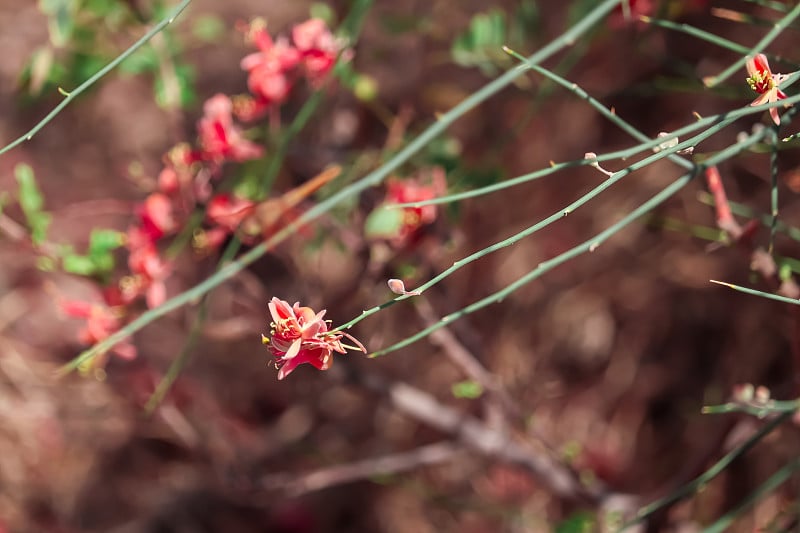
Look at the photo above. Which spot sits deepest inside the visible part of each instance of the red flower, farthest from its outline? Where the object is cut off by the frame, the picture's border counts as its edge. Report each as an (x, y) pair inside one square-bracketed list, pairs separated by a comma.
[(411, 190), (219, 138), (156, 216), (101, 321), (228, 211), (299, 335), (269, 68), (318, 48), (149, 273), (765, 83)]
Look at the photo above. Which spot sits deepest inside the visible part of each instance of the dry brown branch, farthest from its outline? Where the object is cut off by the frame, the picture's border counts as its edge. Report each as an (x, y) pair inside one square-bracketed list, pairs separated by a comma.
[(295, 485)]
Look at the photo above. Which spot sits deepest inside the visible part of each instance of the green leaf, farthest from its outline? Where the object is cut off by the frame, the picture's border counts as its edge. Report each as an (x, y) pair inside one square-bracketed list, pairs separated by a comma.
[(31, 202), (143, 60), (580, 522), (383, 223), (481, 44), (321, 10), (208, 28), (60, 22), (184, 76), (78, 264), (103, 241), (467, 389)]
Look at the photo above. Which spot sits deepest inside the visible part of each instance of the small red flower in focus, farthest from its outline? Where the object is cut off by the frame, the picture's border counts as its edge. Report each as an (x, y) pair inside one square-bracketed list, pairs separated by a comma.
[(765, 83), (220, 139), (412, 190), (318, 48), (269, 68), (101, 321), (299, 335)]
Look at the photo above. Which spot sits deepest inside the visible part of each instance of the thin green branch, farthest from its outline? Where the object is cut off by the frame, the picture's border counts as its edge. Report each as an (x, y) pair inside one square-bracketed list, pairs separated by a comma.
[(713, 81), (747, 212), (755, 292), (773, 168), (558, 215), (580, 249), (759, 410), (710, 38), (716, 120), (700, 481), (177, 365), (70, 96), (775, 481), (370, 180)]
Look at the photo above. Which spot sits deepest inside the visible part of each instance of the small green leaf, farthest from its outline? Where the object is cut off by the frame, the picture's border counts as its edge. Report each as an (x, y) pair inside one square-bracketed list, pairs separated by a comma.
[(60, 20), (103, 241), (31, 201), (208, 28), (580, 522), (78, 264), (143, 60), (467, 389), (321, 10), (383, 223), (184, 76)]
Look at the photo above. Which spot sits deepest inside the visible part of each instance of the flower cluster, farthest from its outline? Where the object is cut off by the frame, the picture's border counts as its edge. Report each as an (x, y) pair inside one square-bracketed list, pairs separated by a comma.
[(273, 69), (187, 180), (299, 335), (765, 83)]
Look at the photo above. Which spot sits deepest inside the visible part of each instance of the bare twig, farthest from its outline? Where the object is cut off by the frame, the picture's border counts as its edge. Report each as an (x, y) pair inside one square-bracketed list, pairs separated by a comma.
[(294, 485), (479, 437)]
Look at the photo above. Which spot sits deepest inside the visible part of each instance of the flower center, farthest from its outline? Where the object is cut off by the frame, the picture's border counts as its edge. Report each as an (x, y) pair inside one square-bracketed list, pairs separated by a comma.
[(761, 82)]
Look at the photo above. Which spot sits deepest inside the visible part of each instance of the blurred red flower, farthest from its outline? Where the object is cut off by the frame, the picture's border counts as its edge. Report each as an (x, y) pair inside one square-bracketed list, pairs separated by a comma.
[(220, 139), (268, 69), (101, 321), (318, 48)]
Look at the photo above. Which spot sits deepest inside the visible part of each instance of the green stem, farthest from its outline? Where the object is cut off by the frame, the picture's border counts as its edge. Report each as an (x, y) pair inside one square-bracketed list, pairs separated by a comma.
[(700, 481), (744, 211), (580, 249), (755, 292), (102, 72), (718, 122), (779, 26), (709, 37), (775, 481)]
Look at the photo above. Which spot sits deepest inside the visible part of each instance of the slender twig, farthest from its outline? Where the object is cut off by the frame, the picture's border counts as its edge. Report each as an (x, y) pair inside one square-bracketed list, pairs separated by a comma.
[(716, 120), (70, 96), (755, 292), (580, 249), (373, 178), (479, 437), (293, 484), (745, 211), (779, 26), (773, 167), (709, 37), (760, 409), (696, 484), (774, 481)]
